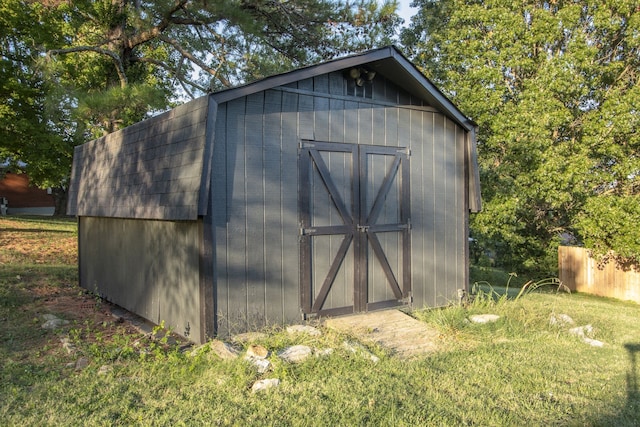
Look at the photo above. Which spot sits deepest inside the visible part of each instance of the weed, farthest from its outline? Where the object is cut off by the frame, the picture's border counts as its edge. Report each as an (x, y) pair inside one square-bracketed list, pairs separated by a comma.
[(532, 286)]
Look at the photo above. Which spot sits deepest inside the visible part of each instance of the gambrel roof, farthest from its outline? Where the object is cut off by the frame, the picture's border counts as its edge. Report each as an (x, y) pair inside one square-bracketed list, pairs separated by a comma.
[(160, 168)]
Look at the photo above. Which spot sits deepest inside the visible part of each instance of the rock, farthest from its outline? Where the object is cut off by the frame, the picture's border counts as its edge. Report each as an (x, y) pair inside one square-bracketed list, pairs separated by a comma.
[(581, 331), (257, 351), (265, 384), (105, 369), (484, 318), (82, 363), (322, 352), (257, 356), (561, 320), (584, 332), (262, 365), (54, 323), (295, 354), (592, 342), (304, 329), (223, 350), (359, 348), (48, 316)]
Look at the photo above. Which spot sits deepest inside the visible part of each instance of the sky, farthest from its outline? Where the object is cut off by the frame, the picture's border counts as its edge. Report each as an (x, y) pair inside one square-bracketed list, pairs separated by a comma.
[(405, 11)]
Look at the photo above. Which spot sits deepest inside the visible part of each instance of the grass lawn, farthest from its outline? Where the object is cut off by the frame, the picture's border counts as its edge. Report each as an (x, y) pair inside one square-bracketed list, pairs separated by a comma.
[(518, 371)]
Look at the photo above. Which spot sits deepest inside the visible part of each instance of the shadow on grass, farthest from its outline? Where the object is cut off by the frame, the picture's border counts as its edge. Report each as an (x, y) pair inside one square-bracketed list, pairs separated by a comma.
[(629, 414), (61, 219), (36, 230), (633, 391), (23, 289)]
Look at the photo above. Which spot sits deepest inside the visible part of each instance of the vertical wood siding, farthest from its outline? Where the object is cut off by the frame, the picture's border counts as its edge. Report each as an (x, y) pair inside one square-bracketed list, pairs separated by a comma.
[(579, 271), (255, 191)]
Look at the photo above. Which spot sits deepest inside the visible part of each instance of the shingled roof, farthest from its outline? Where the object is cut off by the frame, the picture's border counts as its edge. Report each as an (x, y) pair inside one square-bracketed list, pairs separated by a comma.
[(160, 168), (152, 170)]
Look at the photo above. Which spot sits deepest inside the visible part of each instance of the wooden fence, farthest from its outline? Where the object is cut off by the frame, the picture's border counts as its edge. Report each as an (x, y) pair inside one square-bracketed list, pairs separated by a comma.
[(580, 272)]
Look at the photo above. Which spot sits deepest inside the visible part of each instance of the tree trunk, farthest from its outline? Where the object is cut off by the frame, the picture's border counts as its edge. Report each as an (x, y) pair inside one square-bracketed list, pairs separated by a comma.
[(60, 197)]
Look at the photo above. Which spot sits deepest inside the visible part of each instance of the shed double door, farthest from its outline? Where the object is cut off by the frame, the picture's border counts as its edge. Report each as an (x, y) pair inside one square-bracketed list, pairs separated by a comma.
[(354, 227)]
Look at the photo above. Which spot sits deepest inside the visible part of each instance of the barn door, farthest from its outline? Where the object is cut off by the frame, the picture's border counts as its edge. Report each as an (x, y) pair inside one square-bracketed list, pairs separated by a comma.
[(355, 227)]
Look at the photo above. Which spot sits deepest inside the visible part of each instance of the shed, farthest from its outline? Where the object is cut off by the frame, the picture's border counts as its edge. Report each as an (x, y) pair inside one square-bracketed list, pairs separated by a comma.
[(338, 188)]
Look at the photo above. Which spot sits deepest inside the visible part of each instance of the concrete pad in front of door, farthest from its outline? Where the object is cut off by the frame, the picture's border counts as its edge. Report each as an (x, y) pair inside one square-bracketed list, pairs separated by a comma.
[(401, 334)]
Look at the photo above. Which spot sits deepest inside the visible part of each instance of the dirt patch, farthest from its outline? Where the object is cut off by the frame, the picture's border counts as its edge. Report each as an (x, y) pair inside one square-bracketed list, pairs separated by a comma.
[(38, 263)]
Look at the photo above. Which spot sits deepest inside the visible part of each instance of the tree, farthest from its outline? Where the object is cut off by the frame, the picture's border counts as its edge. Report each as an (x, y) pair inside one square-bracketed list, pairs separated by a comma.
[(34, 138), (123, 58), (106, 64), (554, 88)]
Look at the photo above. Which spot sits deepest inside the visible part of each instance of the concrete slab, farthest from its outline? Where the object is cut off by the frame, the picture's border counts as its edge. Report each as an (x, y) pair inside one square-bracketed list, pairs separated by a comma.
[(401, 334)]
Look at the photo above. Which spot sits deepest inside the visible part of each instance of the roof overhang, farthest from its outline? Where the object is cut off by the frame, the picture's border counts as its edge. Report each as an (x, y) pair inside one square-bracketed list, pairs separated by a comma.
[(387, 61)]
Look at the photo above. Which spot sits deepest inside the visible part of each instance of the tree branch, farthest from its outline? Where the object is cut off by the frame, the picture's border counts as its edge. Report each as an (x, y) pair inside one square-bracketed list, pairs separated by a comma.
[(116, 58), (167, 19), (183, 82), (193, 58)]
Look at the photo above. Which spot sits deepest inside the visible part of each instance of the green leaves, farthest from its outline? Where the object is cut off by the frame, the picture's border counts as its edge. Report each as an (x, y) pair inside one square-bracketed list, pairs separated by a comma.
[(609, 222), (29, 137), (554, 87), (75, 70)]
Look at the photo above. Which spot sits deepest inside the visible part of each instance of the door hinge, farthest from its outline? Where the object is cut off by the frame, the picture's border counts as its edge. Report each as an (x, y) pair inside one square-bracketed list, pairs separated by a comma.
[(307, 231)]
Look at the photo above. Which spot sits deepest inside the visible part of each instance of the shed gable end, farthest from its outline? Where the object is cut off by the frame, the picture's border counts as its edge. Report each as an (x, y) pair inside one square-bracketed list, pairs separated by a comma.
[(379, 89)]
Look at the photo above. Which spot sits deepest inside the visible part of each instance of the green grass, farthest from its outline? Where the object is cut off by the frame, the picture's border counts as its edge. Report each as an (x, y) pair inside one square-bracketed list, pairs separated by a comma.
[(519, 370)]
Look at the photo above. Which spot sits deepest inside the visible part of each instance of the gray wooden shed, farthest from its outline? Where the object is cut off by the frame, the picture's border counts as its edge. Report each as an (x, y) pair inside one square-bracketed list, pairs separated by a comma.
[(338, 188)]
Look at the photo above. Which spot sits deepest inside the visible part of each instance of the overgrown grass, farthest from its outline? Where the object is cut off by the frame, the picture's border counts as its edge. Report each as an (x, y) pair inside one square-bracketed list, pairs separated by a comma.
[(519, 370)]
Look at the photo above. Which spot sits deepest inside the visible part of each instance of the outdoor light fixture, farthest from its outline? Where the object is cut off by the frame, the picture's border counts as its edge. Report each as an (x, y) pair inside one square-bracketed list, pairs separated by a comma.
[(361, 75)]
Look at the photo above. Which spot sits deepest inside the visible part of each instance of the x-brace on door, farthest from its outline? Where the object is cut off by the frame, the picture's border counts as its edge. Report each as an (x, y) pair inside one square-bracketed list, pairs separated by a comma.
[(354, 227)]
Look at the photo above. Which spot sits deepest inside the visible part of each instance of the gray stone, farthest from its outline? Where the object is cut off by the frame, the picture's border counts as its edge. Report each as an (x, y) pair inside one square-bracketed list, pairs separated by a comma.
[(54, 323), (582, 331), (223, 350), (295, 354), (262, 365), (322, 352), (585, 333), (561, 320), (265, 384), (592, 342), (484, 318), (48, 316), (358, 348), (304, 329)]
